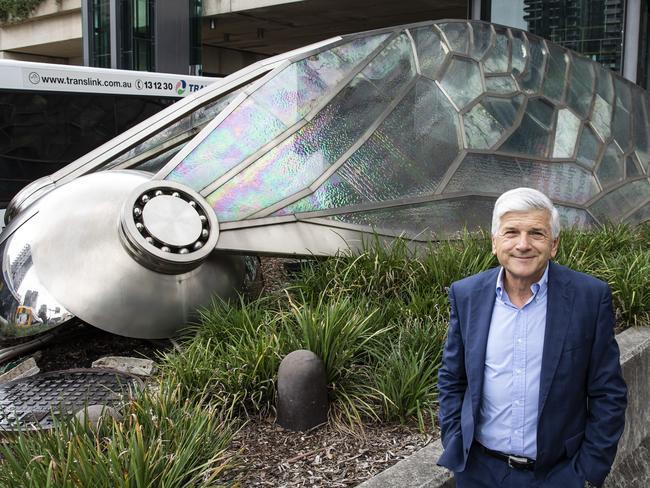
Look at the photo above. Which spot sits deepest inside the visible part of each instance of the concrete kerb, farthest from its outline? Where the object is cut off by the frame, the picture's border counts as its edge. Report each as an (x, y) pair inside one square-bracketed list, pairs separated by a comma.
[(420, 470)]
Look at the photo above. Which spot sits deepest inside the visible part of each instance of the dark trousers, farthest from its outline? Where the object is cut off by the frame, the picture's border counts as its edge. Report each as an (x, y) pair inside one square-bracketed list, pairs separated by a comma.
[(484, 471)]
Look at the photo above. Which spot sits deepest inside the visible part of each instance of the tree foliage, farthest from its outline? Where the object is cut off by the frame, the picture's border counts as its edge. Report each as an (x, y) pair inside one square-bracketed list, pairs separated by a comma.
[(17, 9)]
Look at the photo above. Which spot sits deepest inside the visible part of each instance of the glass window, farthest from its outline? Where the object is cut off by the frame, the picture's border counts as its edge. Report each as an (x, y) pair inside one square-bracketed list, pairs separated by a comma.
[(101, 34), (137, 34), (593, 28)]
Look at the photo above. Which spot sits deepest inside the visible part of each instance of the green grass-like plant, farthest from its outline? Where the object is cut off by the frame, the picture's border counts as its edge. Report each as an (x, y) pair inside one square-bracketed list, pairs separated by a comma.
[(378, 318), (163, 440), (233, 357), (406, 369)]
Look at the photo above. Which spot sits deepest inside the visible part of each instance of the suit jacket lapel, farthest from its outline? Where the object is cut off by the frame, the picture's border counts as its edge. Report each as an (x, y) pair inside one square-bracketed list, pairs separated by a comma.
[(477, 334), (558, 314)]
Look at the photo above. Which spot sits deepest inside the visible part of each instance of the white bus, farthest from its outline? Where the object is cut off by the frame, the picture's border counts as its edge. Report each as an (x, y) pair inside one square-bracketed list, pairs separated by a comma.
[(52, 114)]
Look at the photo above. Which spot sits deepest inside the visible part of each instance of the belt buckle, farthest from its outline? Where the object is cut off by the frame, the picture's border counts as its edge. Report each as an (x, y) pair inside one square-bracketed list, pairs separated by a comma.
[(516, 462)]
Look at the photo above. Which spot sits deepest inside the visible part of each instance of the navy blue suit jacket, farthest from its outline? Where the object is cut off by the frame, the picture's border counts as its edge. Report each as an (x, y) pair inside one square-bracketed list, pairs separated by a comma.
[(582, 396)]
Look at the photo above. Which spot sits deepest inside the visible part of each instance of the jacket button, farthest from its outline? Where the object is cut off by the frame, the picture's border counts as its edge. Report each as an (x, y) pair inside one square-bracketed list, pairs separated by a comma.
[(466, 450)]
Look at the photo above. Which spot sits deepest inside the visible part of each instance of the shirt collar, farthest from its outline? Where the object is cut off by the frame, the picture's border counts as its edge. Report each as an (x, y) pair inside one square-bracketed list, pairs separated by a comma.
[(539, 288)]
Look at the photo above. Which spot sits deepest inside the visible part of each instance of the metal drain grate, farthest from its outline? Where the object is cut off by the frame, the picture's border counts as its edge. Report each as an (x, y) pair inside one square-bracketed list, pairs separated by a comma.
[(30, 403)]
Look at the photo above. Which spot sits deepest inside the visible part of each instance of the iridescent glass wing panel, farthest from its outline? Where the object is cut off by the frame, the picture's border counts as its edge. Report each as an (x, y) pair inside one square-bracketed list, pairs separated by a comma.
[(481, 40), (457, 34), (601, 117), (610, 169), (239, 135), (632, 168), (566, 134), (357, 50), (621, 126), (556, 75), (393, 67), (519, 52), (614, 205), (157, 162), (184, 127), (293, 92), (430, 220), (641, 126), (575, 218), (382, 171), (298, 161), (589, 148), (423, 128), (581, 85), (603, 110), (605, 84), (640, 215), (488, 120), (431, 50), (276, 105), (334, 193), (500, 84), (533, 77), (498, 59), (462, 81), (496, 174), (533, 134), (405, 157)]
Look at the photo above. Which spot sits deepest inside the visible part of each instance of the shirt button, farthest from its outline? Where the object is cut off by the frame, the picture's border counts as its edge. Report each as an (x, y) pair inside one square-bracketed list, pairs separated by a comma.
[(517, 371), (518, 341)]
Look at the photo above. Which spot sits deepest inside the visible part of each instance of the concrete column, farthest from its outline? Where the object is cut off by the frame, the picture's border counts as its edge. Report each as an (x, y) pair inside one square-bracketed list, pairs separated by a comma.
[(172, 34), (115, 30), (631, 40), (475, 7), (86, 29)]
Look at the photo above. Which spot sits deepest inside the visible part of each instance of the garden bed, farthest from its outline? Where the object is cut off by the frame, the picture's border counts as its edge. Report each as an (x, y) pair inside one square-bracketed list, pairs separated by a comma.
[(378, 321)]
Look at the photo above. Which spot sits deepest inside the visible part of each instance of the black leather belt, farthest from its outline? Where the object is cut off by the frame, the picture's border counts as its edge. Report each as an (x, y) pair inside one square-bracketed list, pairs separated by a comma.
[(515, 462)]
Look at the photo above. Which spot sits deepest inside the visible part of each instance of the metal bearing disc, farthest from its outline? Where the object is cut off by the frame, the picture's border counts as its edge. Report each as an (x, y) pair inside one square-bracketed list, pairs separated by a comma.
[(85, 261), (168, 227)]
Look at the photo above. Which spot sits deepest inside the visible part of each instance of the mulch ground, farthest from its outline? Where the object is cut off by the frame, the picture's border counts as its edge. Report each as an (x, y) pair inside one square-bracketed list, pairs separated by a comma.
[(82, 344), (269, 456)]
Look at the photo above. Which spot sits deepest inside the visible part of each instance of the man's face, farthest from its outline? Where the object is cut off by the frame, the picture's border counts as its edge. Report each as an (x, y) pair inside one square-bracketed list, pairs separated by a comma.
[(524, 244)]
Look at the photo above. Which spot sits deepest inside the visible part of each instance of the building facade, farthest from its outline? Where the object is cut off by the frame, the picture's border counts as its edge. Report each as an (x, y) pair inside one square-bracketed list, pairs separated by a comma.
[(216, 37)]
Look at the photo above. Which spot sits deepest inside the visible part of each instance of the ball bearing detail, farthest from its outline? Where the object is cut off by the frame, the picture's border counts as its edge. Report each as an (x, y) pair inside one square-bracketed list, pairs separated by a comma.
[(168, 227)]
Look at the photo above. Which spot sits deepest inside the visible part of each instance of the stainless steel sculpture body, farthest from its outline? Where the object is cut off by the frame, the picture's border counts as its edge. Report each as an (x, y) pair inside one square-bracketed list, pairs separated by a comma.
[(412, 131)]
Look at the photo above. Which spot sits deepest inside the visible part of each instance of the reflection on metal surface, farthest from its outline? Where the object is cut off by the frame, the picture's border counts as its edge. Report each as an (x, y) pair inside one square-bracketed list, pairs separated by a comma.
[(26, 306), (412, 130), (101, 282)]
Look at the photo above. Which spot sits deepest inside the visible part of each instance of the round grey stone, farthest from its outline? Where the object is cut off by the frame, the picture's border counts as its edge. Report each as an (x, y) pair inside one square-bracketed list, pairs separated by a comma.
[(92, 414), (302, 391)]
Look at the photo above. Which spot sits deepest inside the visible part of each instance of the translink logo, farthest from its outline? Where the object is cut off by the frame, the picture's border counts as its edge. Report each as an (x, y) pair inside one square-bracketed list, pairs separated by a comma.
[(180, 87)]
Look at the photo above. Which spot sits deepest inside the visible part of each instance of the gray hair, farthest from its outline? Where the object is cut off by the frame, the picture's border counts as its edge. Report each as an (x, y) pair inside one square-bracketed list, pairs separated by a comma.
[(524, 200)]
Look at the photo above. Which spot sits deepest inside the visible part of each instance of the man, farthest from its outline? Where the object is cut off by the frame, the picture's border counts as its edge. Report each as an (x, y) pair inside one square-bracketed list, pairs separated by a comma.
[(530, 388)]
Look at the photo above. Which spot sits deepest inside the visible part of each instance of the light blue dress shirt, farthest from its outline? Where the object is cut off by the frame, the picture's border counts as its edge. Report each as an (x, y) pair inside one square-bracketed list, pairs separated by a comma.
[(513, 362)]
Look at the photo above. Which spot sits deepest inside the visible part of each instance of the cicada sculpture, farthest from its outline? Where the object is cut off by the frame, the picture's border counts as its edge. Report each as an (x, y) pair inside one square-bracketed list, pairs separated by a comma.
[(407, 131)]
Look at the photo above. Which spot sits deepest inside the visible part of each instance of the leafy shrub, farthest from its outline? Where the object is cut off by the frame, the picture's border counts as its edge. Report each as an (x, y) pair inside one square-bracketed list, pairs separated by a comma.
[(17, 9)]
